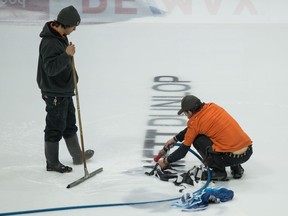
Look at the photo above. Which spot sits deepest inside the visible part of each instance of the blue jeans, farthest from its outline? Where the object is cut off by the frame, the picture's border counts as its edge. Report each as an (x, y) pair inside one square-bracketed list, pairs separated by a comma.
[(60, 118)]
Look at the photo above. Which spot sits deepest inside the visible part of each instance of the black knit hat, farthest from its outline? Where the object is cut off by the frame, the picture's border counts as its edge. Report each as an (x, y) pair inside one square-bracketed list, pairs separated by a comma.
[(69, 16)]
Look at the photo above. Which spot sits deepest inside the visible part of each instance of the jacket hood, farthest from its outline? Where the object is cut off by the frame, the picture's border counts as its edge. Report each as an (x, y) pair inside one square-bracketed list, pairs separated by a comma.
[(48, 31)]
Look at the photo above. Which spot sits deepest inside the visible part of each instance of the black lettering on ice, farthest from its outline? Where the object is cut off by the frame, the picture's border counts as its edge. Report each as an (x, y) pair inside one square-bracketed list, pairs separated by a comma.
[(167, 102), (150, 142), (170, 84), (166, 122), (168, 79)]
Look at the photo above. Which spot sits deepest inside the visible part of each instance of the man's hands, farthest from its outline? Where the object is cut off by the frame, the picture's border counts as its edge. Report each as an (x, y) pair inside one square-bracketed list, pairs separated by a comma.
[(163, 163), (170, 142), (70, 50)]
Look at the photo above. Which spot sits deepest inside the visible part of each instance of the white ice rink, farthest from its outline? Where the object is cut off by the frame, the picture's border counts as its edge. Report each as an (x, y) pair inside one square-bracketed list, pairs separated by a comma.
[(238, 61)]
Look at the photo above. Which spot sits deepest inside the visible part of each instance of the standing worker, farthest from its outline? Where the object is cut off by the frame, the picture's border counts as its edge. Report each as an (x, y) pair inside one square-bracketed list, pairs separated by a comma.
[(55, 79)]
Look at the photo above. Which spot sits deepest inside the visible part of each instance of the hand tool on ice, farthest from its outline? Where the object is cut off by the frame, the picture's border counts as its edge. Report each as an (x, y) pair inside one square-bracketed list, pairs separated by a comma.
[(87, 175)]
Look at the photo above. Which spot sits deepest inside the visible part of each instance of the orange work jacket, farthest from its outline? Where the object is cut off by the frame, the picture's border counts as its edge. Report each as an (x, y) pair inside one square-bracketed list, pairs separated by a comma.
[(223, 130)]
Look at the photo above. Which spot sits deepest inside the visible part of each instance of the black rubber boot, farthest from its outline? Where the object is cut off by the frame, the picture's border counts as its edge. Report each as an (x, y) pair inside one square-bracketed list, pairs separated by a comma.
[(52, 158), (75, 151), (237, 171)]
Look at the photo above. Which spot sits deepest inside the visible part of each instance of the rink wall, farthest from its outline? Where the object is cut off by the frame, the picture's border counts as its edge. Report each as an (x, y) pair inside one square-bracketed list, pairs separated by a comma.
[(105, 11)]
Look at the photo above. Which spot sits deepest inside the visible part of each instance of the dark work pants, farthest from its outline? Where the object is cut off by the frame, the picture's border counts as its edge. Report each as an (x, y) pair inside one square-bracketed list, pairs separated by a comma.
[(60, 118), (218, 160)]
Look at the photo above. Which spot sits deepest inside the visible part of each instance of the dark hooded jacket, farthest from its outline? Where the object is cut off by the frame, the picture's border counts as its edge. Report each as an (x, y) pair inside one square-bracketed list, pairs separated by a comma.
[(55, 74)]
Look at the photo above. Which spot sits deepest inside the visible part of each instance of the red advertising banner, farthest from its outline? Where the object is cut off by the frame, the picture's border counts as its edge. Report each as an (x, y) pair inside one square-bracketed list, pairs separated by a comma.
[(24, 10), (105, 11)]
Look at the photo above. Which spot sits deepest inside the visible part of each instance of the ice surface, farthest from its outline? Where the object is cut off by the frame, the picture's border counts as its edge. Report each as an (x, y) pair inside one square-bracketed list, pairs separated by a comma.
[(241, 66)]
